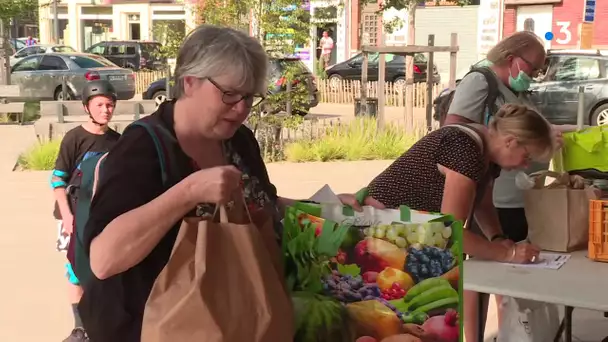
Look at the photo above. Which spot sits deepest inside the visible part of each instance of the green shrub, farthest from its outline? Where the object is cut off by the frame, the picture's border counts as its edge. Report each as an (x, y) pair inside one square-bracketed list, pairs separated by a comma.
[(41, 156), (359, 139)]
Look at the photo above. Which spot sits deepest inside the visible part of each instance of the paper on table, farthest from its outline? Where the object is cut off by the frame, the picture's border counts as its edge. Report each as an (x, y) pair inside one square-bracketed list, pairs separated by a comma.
[(552, 261), (325, 195)]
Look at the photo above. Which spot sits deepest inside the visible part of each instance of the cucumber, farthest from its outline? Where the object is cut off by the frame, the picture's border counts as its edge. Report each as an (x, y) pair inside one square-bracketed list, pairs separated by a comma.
[(415, 318), (432, 295), (446, 303), (423, 286)]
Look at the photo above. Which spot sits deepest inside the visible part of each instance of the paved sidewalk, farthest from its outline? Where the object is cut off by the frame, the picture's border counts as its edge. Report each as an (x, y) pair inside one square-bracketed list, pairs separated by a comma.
[(14, 140)]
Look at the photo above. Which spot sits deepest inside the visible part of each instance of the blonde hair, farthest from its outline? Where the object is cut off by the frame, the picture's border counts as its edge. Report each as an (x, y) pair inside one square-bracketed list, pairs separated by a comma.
[(515, 44), (527, 126)]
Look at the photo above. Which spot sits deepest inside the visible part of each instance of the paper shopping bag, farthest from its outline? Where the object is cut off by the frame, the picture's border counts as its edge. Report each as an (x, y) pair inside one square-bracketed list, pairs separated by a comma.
[(558, 214), (218, 286)]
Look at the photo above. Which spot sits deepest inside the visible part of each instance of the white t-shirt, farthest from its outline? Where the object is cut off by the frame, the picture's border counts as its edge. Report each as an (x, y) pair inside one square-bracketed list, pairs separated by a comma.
[(327, 44)]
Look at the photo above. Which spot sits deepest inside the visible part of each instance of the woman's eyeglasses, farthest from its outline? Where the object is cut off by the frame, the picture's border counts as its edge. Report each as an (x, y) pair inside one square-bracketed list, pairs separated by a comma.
[(231, 98)]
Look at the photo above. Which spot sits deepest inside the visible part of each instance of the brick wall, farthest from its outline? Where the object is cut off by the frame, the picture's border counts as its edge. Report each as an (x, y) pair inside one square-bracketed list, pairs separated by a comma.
[(566, 19)]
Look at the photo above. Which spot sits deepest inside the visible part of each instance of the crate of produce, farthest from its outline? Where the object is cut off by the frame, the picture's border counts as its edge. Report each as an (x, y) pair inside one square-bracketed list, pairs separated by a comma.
[(598, 230), (370, 276)]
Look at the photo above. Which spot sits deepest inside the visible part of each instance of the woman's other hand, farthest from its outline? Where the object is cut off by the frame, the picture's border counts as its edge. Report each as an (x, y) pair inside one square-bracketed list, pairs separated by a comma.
[(351, 200), (522, 253), (214, 185)]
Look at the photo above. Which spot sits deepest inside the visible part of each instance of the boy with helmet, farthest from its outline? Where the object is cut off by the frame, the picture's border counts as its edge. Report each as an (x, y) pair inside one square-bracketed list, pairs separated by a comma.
[(87, 140)]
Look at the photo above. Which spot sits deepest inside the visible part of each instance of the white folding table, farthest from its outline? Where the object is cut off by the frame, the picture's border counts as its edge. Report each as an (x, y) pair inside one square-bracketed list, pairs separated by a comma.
[(580, 283)]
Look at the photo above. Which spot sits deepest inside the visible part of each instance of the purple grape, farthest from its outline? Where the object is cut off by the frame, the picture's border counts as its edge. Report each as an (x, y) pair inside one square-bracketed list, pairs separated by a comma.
[(332, 284), (369, 298)]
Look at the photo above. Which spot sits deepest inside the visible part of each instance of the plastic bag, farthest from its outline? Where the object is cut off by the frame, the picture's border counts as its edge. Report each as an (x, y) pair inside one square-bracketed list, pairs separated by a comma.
[(528, 321)]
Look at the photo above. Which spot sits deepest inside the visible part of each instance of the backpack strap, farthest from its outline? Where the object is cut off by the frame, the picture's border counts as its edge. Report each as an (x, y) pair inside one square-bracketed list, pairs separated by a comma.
[(493, 92), (96, 174), (161, 138)]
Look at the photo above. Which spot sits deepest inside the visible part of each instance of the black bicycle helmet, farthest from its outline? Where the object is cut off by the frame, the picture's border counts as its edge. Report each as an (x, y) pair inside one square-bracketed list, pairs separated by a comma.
[(96, 88)]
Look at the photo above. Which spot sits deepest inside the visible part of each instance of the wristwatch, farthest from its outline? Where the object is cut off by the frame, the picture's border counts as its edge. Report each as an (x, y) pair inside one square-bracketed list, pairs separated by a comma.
[(499, 236)]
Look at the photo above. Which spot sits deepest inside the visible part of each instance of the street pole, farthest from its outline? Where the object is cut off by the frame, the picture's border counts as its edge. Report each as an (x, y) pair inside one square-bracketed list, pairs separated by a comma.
[(6, 65), (55, 22)]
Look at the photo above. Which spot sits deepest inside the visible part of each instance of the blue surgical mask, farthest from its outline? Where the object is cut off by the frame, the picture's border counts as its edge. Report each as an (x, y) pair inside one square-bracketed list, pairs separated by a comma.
[(521, 82)]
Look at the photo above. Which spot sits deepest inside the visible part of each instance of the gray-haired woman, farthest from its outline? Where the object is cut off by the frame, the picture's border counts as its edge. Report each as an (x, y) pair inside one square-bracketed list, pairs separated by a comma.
[(135, 216)]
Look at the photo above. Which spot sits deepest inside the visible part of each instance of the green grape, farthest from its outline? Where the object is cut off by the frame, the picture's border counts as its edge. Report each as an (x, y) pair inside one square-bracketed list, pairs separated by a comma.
[(412, 237), (438, 240), (391, 234), (400, 229), (379, 232), (446, 232), (436, 227), (369, 232), (400, 242)]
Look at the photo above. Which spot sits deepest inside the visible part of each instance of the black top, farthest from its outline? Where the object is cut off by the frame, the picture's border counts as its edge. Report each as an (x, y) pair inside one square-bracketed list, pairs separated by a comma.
[(77, 145), (414, 179), (112, 309)]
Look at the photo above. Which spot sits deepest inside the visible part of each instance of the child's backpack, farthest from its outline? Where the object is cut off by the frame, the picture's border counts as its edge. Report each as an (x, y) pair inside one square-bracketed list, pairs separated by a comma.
[(90, 170), (441, 104)]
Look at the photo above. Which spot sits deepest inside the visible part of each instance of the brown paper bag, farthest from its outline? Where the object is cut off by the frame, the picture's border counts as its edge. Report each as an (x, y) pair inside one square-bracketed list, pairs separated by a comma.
[(221, 284), (557, 214)]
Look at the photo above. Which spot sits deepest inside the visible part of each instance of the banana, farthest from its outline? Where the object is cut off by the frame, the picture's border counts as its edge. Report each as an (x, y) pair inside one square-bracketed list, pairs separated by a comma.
[(423, 286), (432, 295), (446, 303)]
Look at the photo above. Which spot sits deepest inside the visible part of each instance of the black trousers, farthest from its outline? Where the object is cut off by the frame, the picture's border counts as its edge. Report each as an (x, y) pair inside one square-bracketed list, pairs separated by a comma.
[(513, 222)]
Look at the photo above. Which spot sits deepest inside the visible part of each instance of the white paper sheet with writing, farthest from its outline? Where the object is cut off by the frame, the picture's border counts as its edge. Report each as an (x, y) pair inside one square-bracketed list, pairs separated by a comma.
[(547, 260)]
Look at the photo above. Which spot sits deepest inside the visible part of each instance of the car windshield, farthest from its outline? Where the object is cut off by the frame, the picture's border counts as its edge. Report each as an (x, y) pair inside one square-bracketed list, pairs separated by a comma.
[(63, 49), (86, 62)]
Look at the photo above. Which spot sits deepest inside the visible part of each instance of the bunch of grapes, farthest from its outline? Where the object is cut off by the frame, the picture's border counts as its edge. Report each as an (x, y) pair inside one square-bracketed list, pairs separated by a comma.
[(391, 306), (348, 289), (403, 235), (395, 292), (428, 262)]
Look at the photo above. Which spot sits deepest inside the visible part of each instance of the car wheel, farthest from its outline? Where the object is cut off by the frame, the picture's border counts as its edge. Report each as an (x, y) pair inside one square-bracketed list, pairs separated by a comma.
[(335, 81), (399, 82), (159, 97), (59, 95), (600, 116)]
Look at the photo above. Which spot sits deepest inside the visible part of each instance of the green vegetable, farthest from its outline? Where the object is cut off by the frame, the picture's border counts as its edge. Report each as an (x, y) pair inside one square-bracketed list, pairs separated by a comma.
[(446, 303), (320, 318), (399, 304), (423, 286), (415, 318), (351, 269), (431, 295)]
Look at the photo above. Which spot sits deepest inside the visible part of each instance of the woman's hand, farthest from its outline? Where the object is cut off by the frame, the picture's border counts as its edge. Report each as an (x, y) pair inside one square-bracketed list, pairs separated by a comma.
[(522, 253), (214, 185), (351, 200)]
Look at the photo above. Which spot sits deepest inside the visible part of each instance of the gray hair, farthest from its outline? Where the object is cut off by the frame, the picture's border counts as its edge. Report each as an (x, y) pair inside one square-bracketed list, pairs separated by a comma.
[(212, 51)]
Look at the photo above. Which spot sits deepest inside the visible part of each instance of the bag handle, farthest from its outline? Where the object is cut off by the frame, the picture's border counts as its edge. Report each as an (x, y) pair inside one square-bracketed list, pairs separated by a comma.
[(223, 209)]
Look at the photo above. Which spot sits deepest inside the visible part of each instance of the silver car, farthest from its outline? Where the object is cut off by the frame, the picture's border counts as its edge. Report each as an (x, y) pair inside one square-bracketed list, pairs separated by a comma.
[(39, 48), (40, 76)]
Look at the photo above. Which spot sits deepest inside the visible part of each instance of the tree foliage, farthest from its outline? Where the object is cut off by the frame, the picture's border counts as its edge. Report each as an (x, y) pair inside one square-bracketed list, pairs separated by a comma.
[(10, 9)]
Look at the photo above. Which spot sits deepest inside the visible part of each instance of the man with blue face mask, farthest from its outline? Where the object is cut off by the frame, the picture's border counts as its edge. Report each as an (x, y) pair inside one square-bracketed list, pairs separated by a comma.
[(513, 62)]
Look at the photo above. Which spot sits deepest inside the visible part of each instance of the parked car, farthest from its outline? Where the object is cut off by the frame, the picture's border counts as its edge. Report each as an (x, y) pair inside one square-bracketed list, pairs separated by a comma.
[(395, 69), (40, 48), (555, 93), (16, 44), (157, 89), (40, 76), (132, 54)]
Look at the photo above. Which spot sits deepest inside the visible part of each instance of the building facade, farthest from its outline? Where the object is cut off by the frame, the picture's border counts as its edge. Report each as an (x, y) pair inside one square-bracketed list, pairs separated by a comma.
[(563, 18), (83, 23)]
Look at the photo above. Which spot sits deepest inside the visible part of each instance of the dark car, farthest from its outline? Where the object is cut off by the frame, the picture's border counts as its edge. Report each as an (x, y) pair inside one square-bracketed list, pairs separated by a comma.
[(132, 54), (157, 89), (555, 93), (395, 69)]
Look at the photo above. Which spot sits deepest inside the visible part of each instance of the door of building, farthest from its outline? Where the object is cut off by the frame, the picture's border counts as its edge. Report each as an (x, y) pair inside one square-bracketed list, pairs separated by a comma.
[(537, 19)]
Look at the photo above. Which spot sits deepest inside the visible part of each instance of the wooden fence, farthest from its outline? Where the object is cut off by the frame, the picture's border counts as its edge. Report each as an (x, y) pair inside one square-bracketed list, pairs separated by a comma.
[(144, 78), (341, 92), (346, 92)]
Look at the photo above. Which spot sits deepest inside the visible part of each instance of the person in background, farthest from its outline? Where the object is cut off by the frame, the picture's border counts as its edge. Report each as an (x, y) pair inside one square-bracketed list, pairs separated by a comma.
[(515, 62), (80, 143), (30, 41), (326, 44)]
